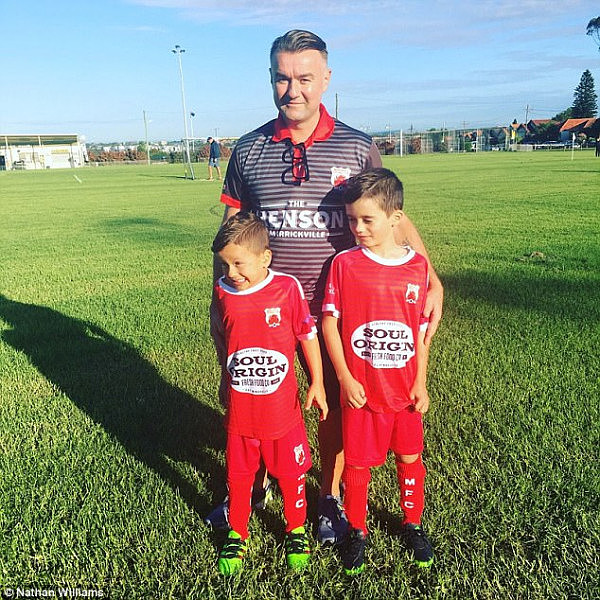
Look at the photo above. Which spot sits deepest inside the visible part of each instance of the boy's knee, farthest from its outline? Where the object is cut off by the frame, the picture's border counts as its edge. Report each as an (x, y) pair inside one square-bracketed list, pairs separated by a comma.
[(356, 475), (407, 459)]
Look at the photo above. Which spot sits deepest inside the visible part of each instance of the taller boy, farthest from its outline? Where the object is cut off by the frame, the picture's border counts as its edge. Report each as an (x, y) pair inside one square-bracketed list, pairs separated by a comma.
[(374, 327), (286, 171)]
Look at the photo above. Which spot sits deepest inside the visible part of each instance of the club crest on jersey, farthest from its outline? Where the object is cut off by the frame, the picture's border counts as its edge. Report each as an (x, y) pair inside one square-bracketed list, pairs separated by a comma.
[(412, 293), (339, 175), (299, 454), (273, 316)]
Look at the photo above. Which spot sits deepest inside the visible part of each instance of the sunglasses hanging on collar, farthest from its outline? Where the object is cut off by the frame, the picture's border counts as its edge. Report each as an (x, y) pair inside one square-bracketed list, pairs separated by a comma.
[(295, 156)]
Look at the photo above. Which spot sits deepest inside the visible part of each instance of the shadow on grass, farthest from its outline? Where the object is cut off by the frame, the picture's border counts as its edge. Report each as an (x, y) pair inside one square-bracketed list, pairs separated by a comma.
[(149, 231), (120, 390), (545, 293)]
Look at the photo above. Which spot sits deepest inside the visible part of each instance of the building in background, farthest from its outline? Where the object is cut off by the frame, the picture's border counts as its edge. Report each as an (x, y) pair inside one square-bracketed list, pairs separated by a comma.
[(42, 151)]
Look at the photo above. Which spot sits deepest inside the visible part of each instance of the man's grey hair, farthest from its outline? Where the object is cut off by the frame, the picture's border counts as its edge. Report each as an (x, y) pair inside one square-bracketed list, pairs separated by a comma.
[(298, 40)]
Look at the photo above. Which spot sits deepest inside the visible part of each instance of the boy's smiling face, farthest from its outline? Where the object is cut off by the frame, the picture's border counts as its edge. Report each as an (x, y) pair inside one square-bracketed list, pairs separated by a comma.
[(243, 268), (372, 227)]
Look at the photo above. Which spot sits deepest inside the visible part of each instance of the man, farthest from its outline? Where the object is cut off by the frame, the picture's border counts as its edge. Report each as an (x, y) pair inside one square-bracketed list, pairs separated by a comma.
[(214, 154), (288, 172)]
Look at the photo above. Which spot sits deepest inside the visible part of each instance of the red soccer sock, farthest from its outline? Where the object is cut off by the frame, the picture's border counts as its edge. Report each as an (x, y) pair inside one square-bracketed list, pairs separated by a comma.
[(240, 498), (411, 477), (356, 496), (293, 492)]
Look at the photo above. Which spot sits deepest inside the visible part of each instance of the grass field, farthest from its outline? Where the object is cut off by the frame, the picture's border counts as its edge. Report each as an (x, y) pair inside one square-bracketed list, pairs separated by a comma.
[(110, 431)]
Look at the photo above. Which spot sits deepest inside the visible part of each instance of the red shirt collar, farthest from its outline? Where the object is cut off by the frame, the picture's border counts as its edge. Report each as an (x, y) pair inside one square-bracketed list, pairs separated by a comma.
[(322, 131)]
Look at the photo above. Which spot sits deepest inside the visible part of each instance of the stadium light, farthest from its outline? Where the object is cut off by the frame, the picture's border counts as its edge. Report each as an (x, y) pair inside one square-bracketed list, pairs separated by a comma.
[(178, 51)]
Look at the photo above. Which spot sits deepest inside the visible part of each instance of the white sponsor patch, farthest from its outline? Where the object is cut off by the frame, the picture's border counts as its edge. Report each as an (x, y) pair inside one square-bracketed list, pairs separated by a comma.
[(384, 344), (257, 370)]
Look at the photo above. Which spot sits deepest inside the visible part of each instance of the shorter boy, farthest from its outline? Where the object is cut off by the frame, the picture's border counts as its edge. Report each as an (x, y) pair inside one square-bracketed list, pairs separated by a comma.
[(374, 329), (264, 314)]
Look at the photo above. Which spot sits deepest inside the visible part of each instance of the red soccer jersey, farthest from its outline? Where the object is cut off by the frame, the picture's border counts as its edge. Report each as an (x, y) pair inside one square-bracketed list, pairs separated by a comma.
[(380, 303), (262, 326)]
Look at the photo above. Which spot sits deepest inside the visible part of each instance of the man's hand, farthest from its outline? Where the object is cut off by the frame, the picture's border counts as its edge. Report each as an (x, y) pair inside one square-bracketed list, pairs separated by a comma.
[(217, 333)]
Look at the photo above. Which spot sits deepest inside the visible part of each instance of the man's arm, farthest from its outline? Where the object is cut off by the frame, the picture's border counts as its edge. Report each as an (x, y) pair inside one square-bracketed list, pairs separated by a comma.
[(352, 391), (227, 214), (407, 233), (418, 391), (216, 325), (316, 390)]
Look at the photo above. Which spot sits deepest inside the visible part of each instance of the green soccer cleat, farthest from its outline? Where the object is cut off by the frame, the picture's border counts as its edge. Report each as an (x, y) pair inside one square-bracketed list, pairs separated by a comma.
[(416, 540), (232, 554), (297, 549), (353, 552)]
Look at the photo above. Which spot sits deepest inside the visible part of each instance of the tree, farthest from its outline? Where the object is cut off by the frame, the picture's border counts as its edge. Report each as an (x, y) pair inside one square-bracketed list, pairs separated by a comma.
[(593, 30), (584, 98), (564, 115), (549, 131)]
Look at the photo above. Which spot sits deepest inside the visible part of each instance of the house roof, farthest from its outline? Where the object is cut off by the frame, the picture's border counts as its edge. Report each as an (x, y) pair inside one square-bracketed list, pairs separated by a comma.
[(35, 140), (578, 124)]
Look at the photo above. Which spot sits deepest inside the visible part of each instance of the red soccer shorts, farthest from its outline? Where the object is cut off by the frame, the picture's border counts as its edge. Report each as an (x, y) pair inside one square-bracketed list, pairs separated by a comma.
[(287, 457), (369, 435)]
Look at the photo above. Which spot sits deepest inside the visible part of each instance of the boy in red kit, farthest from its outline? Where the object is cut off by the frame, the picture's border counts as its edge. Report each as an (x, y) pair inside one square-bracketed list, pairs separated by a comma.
[(374, 329), (264, 315)]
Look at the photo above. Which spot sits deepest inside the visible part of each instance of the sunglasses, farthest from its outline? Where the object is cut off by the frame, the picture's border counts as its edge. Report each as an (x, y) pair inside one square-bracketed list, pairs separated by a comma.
[(295, 157)]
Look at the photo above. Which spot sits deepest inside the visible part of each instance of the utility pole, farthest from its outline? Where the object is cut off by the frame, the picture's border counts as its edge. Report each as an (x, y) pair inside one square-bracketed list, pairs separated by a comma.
[(336, 105), (526, 114), (146, 132)]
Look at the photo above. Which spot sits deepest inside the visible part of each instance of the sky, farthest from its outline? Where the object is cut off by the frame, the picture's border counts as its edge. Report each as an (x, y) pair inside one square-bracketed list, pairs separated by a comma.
[(97, 68)]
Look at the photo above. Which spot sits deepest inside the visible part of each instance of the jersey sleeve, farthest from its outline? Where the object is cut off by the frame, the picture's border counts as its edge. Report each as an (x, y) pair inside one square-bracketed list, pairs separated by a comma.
[(373, 158), (331, 301), (233, 186), (303, 322)]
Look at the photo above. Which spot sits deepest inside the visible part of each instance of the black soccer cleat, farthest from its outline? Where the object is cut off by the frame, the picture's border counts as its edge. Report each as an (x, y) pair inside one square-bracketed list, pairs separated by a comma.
[(416, 540), (353, 552)]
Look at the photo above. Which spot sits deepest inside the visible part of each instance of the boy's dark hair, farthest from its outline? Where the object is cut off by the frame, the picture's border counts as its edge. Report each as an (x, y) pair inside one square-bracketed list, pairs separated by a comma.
[(298, 40), (244, 229), (380, 184)]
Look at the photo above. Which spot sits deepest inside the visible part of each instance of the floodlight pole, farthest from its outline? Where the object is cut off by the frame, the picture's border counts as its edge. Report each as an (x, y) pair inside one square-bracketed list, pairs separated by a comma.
[(192, 114), (178, 50)]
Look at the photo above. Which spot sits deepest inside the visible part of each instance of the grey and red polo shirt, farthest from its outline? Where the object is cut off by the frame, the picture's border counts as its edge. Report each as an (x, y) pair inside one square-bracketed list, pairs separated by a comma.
[(294, 189)]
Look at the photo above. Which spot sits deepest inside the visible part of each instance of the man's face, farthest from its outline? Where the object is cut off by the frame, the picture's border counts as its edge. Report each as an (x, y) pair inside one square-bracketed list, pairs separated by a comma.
[(299, 80)]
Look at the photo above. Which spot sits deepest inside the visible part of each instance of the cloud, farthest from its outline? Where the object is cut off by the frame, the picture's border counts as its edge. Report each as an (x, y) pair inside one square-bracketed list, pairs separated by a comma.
[(410, 20)]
